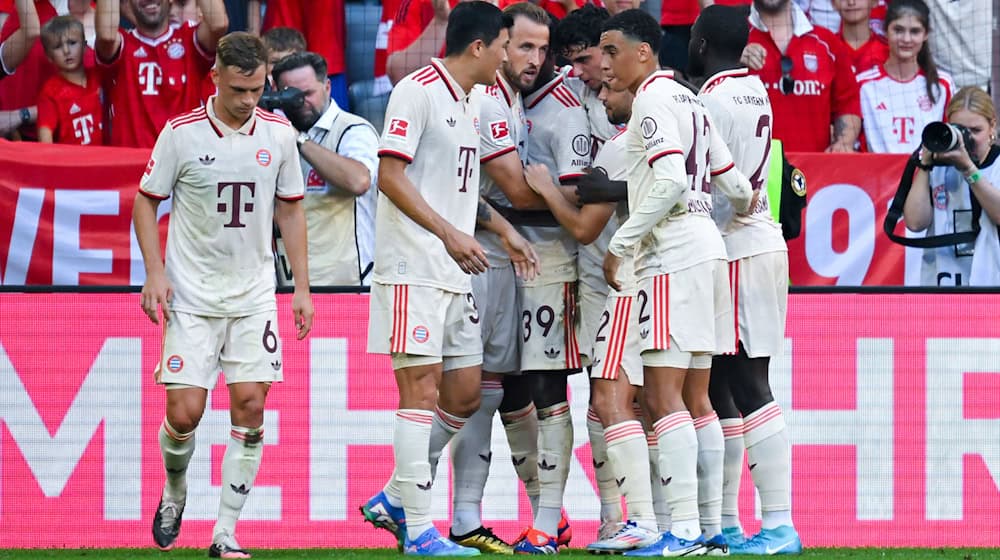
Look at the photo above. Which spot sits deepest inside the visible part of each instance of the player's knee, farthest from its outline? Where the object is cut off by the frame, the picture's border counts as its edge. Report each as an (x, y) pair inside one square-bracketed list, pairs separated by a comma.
[(248, 410), (181, 422), (548, 389)]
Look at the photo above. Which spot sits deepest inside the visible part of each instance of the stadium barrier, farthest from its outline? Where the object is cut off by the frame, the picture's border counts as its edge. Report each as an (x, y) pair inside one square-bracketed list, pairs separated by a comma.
[(65, 218), (890, 401)]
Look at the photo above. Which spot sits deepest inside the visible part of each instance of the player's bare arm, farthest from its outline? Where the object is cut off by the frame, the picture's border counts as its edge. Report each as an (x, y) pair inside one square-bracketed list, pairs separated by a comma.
[(461, 247), (291, 220), (508, 173), (349, 176), (106, 20), (522, 254), (846, 129), (16, 47), (584, 223), (214, 24), (156, 290)]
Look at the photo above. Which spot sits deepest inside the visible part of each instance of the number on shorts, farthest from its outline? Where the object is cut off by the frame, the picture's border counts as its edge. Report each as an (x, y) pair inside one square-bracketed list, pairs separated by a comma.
[(270, 339), (642, 295), (545, 317), (474, 318), (605, 317)]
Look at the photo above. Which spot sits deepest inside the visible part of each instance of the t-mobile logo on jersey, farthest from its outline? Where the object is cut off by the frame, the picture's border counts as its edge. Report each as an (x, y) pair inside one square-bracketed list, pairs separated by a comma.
[(466, 157), (83, 127), (902, 127), (237, 191), (150, 76)]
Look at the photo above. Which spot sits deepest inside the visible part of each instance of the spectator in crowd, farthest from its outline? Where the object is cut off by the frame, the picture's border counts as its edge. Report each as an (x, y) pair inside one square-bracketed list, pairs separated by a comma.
[(676, 19), (809, 78), (906, 93), (244, 15), (956, 190), (555, 8), (416, 35), (156, 70), (70, 108), (962, 40), (867, 48), (281, 42), (322, 24), (339, 162), (382, 83), (822, 13), (15, 48)]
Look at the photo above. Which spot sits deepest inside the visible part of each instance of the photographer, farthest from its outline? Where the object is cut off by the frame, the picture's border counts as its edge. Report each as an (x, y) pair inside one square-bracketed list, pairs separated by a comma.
[(956, 190), (339, 162)]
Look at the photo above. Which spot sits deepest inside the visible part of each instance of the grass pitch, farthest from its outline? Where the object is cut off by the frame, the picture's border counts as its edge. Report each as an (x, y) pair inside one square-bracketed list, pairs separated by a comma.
[(390, 554)]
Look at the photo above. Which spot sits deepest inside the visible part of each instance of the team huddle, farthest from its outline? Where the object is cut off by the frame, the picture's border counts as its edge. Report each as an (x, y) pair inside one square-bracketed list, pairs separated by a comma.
[(533, 223)]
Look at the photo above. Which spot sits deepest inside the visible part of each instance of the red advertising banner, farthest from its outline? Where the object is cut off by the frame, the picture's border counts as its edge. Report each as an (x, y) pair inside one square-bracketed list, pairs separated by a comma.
[(65, 218), (890, 402)]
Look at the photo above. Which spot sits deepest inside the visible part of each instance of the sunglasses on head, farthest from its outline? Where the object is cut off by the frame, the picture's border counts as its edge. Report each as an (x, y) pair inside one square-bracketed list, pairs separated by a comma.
[(787, 83)]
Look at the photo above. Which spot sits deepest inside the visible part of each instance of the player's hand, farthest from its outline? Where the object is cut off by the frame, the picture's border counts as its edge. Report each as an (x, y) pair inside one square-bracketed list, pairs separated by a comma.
[(753, 203), (157, 293), (538, 177), (466, 251), (302, 310), (611, 265), (753, 56), (595, 186), (522, 255)]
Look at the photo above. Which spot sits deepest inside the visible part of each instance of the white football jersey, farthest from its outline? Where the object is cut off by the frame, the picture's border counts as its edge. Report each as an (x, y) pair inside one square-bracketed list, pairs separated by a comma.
[(223, 183), (559, 137), (613, 159), (668, 120), (741, 113), (504, 130), (601, 130), (895, 113), (432, 124)]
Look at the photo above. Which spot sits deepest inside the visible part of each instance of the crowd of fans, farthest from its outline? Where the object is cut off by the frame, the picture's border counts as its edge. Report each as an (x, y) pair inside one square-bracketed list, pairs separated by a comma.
[(842, 75)]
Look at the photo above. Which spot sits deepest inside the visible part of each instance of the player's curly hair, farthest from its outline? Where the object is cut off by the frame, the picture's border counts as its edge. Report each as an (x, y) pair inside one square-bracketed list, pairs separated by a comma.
[(580, 29), (243, 51), (637, 25)]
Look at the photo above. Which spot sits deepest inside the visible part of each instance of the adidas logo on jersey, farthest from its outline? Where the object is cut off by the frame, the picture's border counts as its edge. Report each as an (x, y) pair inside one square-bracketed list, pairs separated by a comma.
[(276, 365), (74, 109), (881, 107), (206, 159), (140, 53), (552, 353)]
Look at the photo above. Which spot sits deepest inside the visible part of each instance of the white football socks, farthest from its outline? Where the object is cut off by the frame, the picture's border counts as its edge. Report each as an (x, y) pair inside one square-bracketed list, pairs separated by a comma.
[(555, 441), (679, 472), (410, 444), (711, 457), (732, 471), (521, 427), (239, 469), (611, 496), (470, 459), (769, 456), (176, 449), (628, 452)]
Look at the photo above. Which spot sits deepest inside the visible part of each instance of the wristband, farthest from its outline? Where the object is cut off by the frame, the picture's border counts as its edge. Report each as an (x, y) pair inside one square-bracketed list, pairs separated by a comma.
[(925, 166), (25, 115), (972, 178)]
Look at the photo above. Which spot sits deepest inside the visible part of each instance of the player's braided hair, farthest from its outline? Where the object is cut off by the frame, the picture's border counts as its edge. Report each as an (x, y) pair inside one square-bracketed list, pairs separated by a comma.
[(243, 51)]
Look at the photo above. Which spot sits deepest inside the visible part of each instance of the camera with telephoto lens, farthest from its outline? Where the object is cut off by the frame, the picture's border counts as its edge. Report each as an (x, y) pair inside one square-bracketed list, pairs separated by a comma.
[(288, 99), (941, 137)]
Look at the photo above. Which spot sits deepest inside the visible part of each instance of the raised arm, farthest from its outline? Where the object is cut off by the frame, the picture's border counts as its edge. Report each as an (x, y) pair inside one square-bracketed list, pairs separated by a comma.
[(106, 21), (214, 24), (427, 43), (16, 47)]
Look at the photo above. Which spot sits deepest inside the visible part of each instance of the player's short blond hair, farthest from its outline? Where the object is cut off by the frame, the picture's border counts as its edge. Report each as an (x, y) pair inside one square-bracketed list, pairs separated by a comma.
[(241, 50), (532, 12), (58, 27)]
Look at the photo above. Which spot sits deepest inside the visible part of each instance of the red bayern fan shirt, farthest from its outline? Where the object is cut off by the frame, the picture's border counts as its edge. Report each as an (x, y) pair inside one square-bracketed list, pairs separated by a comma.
[(74, 113)]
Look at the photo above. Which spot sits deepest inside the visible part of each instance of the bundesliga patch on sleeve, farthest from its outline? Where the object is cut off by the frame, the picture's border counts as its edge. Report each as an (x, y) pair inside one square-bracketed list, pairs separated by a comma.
[(149, 166), (499, 130), (398, 127)]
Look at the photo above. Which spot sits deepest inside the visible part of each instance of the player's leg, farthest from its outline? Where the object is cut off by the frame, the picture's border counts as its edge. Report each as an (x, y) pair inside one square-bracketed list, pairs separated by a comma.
[(251, 361), (471, 449), (768, 451), (711, 449), (607, 489), (520, 423), (188, 368), (723, 368)]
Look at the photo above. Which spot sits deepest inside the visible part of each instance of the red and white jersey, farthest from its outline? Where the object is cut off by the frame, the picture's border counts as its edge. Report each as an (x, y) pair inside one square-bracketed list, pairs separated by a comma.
[(224, 183), (894, 113), (432, 124), (873, 53), (601, 129), (742, 116), (559, 137), (504, 130), (670, 121), (613, 160), (74, 114), (824, 86), (152, 80)]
